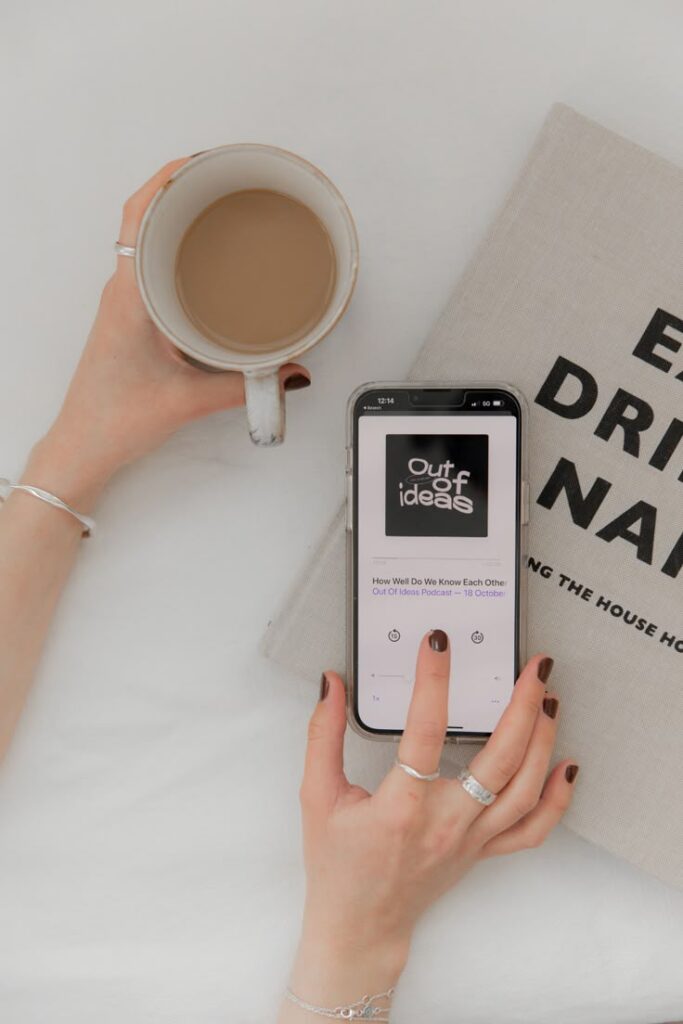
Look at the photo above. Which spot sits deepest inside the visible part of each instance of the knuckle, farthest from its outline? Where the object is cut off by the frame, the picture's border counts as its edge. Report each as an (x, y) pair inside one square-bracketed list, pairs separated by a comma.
[(534, 837), (562, 802), (503, 769), (439, 844), (403, 816), (480, 833), (453, 824), (508, 761), (428, 730), (529, 706), (316, 730), (109, 287), (130, 206), (434, 676), (523, 803), (306, 794)]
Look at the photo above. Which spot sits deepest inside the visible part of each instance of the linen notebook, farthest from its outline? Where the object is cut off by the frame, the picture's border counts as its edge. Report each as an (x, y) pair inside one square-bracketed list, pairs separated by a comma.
[(576, 297)]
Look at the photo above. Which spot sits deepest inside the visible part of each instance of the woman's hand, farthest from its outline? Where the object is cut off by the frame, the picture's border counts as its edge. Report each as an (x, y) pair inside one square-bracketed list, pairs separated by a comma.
[(132, 387), (131, 390), (374, 863)]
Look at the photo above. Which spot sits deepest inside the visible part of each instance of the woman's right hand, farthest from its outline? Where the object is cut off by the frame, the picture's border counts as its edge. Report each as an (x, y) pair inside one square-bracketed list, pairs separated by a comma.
[(374, 863), (132, 388)]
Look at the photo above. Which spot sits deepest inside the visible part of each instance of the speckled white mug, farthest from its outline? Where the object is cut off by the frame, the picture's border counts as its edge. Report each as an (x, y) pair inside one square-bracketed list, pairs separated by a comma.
[(192, 188)]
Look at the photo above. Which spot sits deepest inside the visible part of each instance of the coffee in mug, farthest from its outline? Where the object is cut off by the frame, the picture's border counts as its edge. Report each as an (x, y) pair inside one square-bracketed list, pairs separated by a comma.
[(255, 270), (246, 259)]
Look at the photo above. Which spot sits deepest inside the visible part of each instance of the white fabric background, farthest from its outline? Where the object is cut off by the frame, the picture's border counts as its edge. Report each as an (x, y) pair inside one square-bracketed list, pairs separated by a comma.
[(149, 861)]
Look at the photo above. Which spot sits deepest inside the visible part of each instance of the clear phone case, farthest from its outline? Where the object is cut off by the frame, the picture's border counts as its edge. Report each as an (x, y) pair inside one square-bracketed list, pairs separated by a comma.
[(357, 726)]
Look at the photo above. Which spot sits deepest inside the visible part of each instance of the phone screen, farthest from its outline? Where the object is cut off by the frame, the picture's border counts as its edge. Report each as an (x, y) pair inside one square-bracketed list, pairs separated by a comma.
[(436, 545)]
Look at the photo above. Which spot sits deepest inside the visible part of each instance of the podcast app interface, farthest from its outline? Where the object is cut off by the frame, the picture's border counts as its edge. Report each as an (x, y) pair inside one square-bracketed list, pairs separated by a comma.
[(436, 550)]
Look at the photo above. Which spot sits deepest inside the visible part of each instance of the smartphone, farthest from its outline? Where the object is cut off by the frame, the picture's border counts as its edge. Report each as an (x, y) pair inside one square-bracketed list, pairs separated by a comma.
[(437, 510)]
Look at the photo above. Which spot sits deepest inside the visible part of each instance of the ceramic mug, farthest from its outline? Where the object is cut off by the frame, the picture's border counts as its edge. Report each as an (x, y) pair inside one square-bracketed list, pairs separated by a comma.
[(190, 190)]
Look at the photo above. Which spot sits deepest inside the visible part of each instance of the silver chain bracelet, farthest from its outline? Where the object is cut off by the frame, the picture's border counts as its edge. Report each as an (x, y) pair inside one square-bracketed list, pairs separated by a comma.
[(364, 1009)]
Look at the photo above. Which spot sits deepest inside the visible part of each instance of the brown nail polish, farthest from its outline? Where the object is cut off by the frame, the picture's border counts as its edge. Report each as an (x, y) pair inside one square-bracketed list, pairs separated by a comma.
[(438, 641), (571, 771), (324, 686), (550, 706), (545, 667), (296, 382)]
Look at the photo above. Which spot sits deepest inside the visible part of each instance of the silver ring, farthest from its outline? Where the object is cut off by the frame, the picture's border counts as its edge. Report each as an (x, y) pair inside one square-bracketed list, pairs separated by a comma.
[(124, 250), (475, 789), (415, 774)]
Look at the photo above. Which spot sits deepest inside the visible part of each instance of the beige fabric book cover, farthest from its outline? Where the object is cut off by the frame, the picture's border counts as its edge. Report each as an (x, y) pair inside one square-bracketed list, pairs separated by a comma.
[(576, 297)]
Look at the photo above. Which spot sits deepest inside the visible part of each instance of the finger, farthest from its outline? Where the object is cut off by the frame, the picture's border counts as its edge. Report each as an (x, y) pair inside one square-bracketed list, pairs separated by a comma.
[(533, 829), (294, 377), (523, 792), (134, 207), (422, 741), (209, 392), (503, 754), (324, 777)]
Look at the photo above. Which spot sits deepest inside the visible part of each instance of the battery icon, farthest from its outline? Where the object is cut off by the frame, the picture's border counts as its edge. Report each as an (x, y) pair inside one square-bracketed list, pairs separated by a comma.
[(497, 401)]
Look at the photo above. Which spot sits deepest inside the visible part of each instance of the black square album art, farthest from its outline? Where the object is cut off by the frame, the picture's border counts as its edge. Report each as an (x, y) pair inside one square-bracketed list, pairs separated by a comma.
[(437, 485)]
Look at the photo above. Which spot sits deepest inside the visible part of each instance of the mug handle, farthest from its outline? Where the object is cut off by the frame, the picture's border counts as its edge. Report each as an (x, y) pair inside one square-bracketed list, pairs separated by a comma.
[(265, 407)]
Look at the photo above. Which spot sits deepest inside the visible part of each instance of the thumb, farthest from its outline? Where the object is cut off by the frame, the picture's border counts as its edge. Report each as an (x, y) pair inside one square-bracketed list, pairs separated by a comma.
[(324, 768)]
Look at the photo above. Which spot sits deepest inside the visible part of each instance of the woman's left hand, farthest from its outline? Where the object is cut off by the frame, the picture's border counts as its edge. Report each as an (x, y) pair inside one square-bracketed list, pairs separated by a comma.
[(132, 388)]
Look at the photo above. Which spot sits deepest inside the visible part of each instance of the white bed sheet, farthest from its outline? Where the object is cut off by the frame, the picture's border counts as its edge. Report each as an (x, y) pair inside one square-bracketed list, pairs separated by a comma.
[(149, 850)]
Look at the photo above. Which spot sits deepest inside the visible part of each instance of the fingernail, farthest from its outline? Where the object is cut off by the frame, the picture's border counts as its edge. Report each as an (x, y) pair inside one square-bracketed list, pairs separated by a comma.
[(197, 154), (324, 686), (550, 706), (571, 771), (296, 382), (545, 667), (438, 641)]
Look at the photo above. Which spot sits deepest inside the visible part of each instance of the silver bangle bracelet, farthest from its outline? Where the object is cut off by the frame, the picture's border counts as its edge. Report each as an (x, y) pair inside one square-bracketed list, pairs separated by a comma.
[(6, 487), (365, 1009)]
